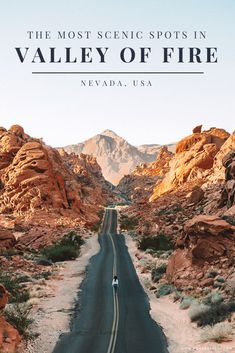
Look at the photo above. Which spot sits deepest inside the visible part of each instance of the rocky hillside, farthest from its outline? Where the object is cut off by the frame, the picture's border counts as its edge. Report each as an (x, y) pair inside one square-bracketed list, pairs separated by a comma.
[(115, 155), (193, 160), (40, 186), (192, 204), (138, 185)]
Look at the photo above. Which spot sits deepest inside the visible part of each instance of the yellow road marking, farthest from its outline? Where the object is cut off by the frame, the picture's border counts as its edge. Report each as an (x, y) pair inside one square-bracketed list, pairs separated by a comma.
[(113, 337)]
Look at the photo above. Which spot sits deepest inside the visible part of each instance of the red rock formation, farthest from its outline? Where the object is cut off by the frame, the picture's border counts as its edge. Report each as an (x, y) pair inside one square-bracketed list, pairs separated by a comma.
[(228, 194), (193, 160), (9, 336), (205, 240), (7, 239), (218, 171), (95, 190), (4, 296), (38, 186), (197, 129), (185, 207), (139, 184), (196, 195), (36, 179)]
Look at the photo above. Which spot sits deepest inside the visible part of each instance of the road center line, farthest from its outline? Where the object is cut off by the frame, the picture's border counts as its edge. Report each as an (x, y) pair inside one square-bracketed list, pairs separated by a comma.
[(113, 337)]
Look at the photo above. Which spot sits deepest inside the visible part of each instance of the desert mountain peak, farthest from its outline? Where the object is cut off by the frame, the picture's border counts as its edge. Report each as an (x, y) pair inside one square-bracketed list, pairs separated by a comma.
[(116, 156), (110, 133)]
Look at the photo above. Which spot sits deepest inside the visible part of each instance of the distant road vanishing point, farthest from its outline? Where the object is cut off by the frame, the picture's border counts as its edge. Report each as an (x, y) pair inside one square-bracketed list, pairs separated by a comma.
[(107, 322)]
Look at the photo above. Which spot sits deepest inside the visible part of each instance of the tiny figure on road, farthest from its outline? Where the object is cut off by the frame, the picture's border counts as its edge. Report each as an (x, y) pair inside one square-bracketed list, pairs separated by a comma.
[(115, 283)]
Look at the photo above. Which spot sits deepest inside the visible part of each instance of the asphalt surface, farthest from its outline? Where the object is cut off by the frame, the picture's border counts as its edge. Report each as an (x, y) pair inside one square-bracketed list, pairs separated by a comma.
[(106, 322)]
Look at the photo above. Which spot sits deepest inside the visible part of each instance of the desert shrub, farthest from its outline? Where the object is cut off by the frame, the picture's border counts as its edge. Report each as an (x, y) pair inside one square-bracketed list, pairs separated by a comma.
[(96, 227), (229, 219), (18, 315), (60, 252), (12, 284), (164, 289), (150, 251), (128, 223), (220, 279), (44, 262), (158, 272), (169, 211), (177, 296), (218, 333), (9, 252), (212, 274), (197, 311), (22, 278), (46, 275), (186, 303), (213, 298), (217, 312), (211, 314), (72, 239), (67, 249), (160, 242)]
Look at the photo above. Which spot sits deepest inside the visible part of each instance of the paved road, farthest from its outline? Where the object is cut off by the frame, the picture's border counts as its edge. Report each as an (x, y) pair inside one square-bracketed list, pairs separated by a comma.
[(107, 322)]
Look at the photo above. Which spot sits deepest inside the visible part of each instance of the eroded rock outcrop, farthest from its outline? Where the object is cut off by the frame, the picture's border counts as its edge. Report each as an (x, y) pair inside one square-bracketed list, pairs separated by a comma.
[(4, 296), (36, 179), (9, 336), (193, 160), (7, 239), (204, 241), (228, 194), (218, 171), (39, 186), (139, 184)]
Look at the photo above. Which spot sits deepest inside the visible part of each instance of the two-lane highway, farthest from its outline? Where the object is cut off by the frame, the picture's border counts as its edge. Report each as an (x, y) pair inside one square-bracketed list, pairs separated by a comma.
[(106, 322)]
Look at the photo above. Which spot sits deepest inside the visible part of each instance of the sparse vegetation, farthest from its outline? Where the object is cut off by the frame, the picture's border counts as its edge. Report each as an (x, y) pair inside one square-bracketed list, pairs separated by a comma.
[(96, 227), (18, 315), (67, 249), (177, 295), (45, 275), (218, 333), (211, 314), (9, 252), (12, 284), (186, 303), (213, 298), (212, 274), (169, 211), (158, 272), (128, 223), (164, 289), (197, 311), (159, 242), (72, 239), (60, 252), (229, 219)]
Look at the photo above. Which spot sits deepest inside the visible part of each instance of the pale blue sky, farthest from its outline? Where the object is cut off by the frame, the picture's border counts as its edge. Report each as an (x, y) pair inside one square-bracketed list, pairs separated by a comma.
[(59, 110)]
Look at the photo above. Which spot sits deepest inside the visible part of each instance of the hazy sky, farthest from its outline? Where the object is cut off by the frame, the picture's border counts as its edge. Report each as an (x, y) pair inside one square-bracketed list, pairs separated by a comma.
[(58, 109)]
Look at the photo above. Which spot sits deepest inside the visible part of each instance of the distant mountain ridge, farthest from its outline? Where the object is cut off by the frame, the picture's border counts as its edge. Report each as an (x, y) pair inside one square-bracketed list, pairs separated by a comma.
[(115, 155)]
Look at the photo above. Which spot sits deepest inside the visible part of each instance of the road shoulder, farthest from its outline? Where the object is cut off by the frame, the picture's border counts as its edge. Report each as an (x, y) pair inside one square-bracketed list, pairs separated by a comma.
[(53, 313), (182, 335)]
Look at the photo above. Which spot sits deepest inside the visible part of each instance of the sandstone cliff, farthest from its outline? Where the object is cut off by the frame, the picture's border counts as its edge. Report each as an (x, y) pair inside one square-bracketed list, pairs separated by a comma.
[(139, 184), (193, 160), (39, 186), (193, 204)]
